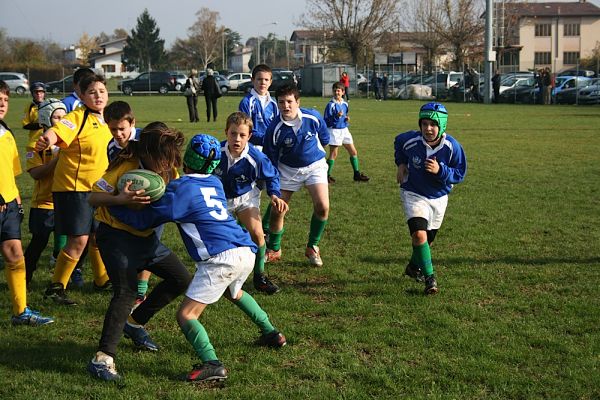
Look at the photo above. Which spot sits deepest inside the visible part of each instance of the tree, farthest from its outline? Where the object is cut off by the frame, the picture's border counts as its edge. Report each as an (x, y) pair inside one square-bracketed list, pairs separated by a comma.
[(205, 37), (144, 48), (355, 24), (87, 45), (417, 21)]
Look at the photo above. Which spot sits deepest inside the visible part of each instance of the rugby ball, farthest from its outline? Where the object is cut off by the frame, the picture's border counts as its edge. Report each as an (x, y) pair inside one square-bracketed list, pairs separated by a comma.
[(152, 183)]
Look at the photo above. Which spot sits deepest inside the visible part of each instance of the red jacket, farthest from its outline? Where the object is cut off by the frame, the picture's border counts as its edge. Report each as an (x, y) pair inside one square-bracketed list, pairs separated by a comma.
[(345, 79)]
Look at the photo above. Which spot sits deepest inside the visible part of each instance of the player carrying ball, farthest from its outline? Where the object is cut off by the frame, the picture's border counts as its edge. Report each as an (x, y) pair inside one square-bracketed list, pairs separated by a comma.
[(429, 163)]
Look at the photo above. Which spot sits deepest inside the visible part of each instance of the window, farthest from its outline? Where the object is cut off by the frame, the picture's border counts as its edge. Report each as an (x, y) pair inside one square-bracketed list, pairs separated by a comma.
[(109, 68), (543, 29), (571, 57), (571, 30), (542, 58)]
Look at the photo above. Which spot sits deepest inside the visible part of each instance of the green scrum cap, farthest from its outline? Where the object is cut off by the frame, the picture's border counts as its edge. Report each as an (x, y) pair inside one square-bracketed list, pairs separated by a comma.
[(203, 153), (437, 113)]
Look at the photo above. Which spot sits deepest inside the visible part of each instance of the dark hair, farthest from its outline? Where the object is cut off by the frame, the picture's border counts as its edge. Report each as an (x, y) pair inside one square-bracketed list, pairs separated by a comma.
[(286, 90), (157, 142), (81, 73), (88, 80), (239, 118), (117, 111), (338, 85), (4, 89), (261, 68)]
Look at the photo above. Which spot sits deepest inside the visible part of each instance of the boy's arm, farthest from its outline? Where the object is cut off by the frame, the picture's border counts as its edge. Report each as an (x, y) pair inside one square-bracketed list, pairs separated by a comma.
[(329, 114), (399, 155), (402, 173), (270, 175), (323, 132), (47, 139), (151, 216), (43, 170), (269, 147), (454, 171)]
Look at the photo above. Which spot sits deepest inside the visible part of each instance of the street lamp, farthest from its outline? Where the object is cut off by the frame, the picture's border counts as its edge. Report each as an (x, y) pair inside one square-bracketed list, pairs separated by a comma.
[(258, 42)]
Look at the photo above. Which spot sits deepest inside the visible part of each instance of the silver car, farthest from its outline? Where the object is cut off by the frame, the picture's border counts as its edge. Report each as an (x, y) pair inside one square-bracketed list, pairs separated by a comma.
[(16, 81)]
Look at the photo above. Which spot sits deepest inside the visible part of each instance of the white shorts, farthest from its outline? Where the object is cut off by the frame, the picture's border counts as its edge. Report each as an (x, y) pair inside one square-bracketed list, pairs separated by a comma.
[(417, 206), (228, 269), (292, 179), (338, 137), (249, 199)]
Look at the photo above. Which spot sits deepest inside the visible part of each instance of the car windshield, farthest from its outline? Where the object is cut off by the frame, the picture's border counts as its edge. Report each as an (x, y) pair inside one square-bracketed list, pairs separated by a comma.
[(560, 80)]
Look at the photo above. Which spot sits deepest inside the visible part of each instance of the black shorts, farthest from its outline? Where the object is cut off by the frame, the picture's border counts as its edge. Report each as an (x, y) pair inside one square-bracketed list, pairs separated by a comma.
[(41, 221), (10, 222), (73, 215)]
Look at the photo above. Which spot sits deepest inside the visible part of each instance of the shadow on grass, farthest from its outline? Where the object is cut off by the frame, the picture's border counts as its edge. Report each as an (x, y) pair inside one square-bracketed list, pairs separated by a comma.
[(455, 261)]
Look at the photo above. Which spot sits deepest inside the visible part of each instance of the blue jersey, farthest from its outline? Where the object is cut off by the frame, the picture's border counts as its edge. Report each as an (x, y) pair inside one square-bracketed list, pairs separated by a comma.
[(114, 148), (72, 101), (240, 177), (411, 149), (261, 117), (332, 116), (197, 203), (297, 143)]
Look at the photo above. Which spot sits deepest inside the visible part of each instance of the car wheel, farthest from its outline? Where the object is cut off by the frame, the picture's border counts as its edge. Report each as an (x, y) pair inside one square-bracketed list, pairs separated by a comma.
[(178, 87), (224, 89), (127, 90), (163, 89), (20, 90)]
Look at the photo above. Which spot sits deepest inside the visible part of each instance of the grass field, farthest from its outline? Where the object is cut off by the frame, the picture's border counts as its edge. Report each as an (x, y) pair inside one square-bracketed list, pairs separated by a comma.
[(518, 264)]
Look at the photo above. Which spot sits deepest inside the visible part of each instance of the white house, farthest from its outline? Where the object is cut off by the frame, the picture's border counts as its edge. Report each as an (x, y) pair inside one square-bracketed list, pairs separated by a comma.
[(108, 59), (240, 58)]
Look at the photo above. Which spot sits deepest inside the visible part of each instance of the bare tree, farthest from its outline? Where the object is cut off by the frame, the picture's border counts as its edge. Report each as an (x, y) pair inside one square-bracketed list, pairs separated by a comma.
[(356, 24), (418, 17), (205, 37)]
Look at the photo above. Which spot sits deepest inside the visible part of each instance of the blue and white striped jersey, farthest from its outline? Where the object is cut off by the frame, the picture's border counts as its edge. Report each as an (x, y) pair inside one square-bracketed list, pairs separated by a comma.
[(72, 101), (332, 116), (239, 176), (261, 117), (411, 149), (113, 148), (197, 203), (297, 143)]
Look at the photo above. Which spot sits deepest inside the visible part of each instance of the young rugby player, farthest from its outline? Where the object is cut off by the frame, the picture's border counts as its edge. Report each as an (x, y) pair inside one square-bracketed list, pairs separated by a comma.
[(83, 137), (223, 251), (11, 216), (336, 117), (241, 166), (30, 117), (294, 144), (429, 163)]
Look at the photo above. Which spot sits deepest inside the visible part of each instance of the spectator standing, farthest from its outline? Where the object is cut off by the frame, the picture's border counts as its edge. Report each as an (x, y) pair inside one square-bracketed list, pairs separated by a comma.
[(345, 80), (375, 84), (496, 86), (547, 82), (384, 85), (211, 94), (475, 84), (192, 86)]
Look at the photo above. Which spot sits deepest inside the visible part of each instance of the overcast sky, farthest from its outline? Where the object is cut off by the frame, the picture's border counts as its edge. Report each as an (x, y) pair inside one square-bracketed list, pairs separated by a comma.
[(45, 19)]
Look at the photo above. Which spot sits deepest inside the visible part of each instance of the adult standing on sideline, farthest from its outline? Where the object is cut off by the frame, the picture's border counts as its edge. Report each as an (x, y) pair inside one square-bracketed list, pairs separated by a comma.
[(345, 80), (547, 82), (191, 88), (211, 94), (496, 86), (384, 85), (375, 81)]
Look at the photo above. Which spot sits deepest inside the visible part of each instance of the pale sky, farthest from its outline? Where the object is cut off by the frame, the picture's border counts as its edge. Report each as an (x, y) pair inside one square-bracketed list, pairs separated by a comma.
[(45, 19)]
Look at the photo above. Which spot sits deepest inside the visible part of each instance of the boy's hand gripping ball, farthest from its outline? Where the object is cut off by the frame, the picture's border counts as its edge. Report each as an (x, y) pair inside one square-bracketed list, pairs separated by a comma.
[(152, 183)]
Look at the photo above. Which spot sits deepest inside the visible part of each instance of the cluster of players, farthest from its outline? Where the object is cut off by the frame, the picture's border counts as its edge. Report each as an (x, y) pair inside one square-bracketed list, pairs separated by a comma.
[(76, 159)]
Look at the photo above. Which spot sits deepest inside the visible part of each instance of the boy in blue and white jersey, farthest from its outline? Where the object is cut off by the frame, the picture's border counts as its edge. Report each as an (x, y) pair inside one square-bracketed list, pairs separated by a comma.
[(259, 105), (222, 250), (73, 100), (429, 163), (121, 122), (336, 117), (295, 145), (242, 165)]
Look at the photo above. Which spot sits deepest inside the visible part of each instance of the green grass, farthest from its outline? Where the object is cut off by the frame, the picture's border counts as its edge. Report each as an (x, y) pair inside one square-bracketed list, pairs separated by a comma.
[(518, 261)]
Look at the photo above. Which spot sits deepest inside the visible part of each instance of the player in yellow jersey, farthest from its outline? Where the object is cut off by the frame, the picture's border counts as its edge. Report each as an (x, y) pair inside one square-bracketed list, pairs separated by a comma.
[(82, 137), (30, 116), (11, 215)]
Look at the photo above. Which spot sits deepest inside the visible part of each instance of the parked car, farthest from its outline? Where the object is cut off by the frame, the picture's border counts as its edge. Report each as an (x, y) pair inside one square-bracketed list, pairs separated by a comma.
[(516, 81), (180, 79), (524, 94), (223, 82), (565, 82), (443, 82), (571, 95), (159, 81), (16, 81), (577, 72), (590, 94), (280, 78), (238, 78), (64, 85), (360, 78)]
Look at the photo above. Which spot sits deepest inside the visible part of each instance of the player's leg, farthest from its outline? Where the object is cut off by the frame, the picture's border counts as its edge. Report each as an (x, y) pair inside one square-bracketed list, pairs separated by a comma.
[(349, 146), (276, 229), (41, 225), (333, 153), (421, 253), (101, 280), (319, 194), (142, 286)]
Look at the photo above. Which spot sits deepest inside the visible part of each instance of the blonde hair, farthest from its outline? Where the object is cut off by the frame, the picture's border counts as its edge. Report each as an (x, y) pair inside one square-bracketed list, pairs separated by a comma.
[(239, 118), (193, 72)]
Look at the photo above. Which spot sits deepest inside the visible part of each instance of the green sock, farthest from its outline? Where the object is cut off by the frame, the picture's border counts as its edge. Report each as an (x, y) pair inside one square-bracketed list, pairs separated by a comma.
[(142, 287), (274, 242), (422, 258), (259, 262), (316, 231), (330, 163), (250, 307), (196, 334), (59, 242), (266, 218), (354, 162)]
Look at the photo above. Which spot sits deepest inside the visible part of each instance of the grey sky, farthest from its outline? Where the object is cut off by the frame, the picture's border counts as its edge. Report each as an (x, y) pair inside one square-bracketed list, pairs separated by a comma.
[(43, 19)]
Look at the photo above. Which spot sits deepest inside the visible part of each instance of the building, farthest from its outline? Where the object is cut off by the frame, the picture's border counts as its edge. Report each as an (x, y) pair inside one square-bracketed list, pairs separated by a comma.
[(310, 46), (548, 34), (239, 59), (108, 59)]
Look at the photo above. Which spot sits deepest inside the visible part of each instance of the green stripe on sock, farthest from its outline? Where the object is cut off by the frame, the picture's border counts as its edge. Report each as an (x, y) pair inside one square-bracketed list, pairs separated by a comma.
[(316, 230), (196, 334), (59, 242), (330, 163), (250, 307), (266, 219), (274, 240), (142, 287), (259, 262), (422, 258), (354, 163)]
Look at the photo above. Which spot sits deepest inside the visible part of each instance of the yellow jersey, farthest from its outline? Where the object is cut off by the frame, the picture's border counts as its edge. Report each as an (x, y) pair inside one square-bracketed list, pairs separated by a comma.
[(108, 184), (42, 189), (83, 139), (30, 116), (10, 165)]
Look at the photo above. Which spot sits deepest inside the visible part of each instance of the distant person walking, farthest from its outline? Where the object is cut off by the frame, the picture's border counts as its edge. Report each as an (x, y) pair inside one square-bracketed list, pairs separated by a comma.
[(211, 90), (345, 80), (191, 88), (547, 82), (496, 86)]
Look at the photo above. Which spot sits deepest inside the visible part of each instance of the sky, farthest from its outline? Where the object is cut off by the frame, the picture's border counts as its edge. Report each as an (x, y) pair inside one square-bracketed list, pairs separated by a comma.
[(43, 19)]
